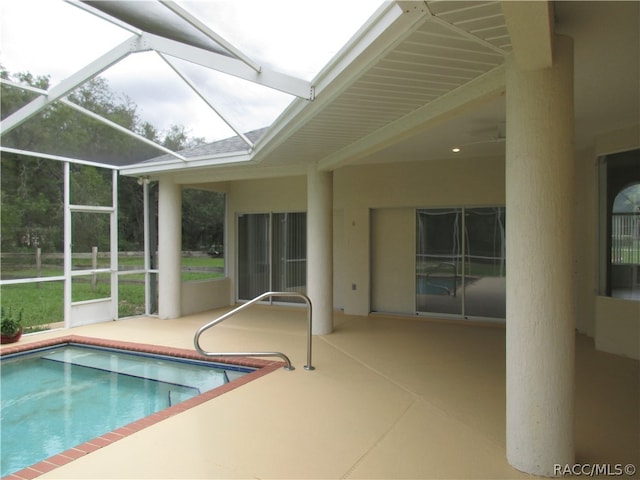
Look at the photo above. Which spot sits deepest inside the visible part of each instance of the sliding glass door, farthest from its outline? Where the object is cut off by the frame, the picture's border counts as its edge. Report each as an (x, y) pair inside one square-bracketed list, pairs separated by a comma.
[(289, 252), (272, 250), (439, 261), (253, 255), (485, 263), (460, 262)]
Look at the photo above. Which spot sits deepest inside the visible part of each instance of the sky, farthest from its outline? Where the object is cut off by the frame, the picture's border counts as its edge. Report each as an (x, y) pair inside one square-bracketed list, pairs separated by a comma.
[(297, 37)]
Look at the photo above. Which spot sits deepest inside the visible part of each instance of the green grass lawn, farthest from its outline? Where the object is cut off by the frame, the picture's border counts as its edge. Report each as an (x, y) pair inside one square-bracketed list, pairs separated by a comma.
[(42, 303), (214, 268)]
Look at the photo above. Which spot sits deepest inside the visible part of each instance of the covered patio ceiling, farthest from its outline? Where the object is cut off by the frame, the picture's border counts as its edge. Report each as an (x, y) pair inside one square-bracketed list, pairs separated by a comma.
[(417, 79), (421, 78), (412, 66)]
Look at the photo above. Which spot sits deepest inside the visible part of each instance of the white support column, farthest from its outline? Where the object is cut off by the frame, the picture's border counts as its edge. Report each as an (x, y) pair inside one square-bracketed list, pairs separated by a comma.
[(320, 248), (540, 289), (169, 248), (68, 252), (113, 216)]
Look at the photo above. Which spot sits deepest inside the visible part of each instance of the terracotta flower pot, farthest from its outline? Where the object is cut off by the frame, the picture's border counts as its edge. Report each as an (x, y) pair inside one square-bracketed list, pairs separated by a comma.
[(11, 338)]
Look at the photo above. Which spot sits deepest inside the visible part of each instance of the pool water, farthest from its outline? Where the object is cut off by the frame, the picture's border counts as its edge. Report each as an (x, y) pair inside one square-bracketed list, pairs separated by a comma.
[(438, 285), (60, 397)]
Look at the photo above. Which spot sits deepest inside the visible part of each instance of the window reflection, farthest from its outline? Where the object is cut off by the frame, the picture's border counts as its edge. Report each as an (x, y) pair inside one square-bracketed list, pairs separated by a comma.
[(485, 263), (461, 274)]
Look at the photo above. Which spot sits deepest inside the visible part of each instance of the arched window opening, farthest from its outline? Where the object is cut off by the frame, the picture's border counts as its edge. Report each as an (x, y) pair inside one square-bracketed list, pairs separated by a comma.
[(625, 243), (619, 231)]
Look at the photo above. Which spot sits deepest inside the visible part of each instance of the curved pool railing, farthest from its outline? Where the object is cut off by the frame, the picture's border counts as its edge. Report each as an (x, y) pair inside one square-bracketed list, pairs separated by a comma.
[(287, 366)]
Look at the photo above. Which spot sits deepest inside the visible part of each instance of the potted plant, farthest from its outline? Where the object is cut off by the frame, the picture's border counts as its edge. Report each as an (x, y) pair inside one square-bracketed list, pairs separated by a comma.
[(10, 326)]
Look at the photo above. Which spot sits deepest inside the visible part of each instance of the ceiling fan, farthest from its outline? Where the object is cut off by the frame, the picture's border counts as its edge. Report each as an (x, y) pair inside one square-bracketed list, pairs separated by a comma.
[(495, 135)]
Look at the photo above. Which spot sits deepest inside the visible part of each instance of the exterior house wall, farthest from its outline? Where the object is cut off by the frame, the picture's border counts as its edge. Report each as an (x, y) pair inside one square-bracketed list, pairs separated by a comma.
[(395, 190), (393, 259), (204, 295), (378, 201), (287, 194), (586, 240), (616, 321), (374, 224)]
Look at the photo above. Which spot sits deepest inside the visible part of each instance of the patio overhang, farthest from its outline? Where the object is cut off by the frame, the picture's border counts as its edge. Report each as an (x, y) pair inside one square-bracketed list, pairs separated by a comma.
[(436, 68), (412, 65)]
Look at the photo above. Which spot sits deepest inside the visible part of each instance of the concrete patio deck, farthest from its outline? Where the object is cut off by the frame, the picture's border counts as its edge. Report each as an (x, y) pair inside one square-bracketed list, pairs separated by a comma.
[(391, 397)]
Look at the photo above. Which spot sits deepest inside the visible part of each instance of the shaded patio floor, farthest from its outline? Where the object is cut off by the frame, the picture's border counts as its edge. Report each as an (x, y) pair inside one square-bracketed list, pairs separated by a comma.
[(391, 397)]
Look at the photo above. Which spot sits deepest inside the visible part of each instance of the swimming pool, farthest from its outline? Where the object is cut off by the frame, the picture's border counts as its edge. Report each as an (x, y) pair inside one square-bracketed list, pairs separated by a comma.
[(57, 398)]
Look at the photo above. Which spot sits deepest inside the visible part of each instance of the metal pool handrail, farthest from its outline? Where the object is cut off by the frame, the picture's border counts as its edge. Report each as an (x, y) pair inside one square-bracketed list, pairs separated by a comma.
[(288, 366)]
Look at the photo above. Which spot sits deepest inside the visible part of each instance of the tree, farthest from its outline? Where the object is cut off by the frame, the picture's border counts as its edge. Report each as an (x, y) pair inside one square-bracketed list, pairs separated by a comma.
[(32, 199), (32, 188), (202, 219)]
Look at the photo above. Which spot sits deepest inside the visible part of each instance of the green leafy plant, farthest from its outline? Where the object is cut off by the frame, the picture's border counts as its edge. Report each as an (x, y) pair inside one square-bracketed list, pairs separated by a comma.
[(9, 324)]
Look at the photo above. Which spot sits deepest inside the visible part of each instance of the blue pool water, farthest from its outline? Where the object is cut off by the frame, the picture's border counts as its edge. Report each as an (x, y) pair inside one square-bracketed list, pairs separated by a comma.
[(438, 285), (59, 397)]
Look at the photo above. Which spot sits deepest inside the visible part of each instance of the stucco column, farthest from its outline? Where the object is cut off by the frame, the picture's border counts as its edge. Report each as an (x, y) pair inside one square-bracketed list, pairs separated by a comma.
[(320, 248), (540, 287), (169, 248)]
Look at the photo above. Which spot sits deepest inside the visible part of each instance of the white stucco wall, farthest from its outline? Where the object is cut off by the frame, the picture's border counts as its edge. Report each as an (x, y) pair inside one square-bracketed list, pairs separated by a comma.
[(393, 260), (287, 194), (388, 194), (358, 191), (373, 212), (204, 295), (616, 322), (586, 240)]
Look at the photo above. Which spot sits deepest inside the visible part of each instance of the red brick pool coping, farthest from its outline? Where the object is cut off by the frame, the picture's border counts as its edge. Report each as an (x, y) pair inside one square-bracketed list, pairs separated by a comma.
[(263, 368)]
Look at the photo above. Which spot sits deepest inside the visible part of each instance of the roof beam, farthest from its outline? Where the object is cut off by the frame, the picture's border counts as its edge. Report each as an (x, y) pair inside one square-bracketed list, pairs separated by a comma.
[(99, 118), (58, 158), (196, 23), (481, 89), (387, 28), (205, 161), (238, 172), (530, 26), (231, 66), (462, 32), (103, 16), (64, 87)]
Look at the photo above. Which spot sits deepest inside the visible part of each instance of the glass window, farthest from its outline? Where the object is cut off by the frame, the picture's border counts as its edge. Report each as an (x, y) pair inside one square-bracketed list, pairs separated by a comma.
[(625, 243), (272, 254), (622, 196), (439, 261), (485, 286), (253, 255), (461, 274), (289, 253)]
